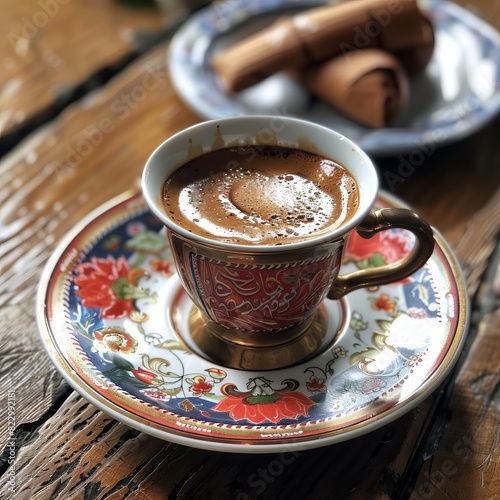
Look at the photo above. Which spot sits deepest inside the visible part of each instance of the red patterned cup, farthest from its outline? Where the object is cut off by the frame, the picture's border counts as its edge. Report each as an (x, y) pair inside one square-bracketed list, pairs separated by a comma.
[(252, 288)]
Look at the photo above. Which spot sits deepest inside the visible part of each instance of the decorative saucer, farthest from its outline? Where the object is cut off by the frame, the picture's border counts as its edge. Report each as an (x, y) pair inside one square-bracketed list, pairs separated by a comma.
[(456, 95), (114, 320)]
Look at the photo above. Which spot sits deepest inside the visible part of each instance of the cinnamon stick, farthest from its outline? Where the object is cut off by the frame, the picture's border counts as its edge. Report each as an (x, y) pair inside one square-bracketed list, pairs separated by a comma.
[(318, 34), (370, 86)]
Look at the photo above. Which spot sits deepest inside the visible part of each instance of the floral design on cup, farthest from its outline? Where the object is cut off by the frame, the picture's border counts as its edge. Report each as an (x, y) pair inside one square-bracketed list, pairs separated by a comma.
[(263, 297)]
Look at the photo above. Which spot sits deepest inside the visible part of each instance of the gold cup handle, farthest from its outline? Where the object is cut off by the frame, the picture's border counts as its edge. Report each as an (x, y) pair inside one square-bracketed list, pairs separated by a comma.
[(380, 220)]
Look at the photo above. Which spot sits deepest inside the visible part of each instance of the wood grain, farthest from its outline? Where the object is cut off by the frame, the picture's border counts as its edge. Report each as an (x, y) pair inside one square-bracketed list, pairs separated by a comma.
[(452, 183), (114, 461), (94, 151), (479, 242), (52, 48), (466, 464)]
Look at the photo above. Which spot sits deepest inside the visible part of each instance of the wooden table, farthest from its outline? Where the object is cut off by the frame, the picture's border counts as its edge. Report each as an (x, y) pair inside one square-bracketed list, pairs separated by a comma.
[(65, 65)]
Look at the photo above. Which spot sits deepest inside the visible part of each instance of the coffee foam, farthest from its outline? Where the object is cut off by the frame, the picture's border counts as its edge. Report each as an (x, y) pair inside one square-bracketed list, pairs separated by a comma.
[(260, 195)]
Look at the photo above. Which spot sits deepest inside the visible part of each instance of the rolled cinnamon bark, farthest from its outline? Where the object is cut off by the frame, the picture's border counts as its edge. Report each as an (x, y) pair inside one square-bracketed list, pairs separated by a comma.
[(318, 34), (415, 58), (369, 86)]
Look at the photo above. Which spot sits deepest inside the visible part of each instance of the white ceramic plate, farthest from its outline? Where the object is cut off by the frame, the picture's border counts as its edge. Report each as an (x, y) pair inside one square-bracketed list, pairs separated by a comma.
[(456, 95)]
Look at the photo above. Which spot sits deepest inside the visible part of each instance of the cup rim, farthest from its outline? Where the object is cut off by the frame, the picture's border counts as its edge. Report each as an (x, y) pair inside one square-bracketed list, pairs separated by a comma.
[(366, 201)]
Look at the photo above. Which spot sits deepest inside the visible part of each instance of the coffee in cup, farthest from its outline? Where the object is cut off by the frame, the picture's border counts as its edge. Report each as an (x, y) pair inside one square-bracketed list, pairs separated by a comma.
[(267, 195)]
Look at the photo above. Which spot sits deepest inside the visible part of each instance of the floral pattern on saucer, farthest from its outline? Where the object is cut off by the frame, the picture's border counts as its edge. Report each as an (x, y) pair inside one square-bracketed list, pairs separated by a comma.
[(109, 297)]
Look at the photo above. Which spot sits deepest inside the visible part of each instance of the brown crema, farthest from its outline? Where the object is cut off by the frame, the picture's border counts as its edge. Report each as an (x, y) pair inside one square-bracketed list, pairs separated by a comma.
[(260, 195)]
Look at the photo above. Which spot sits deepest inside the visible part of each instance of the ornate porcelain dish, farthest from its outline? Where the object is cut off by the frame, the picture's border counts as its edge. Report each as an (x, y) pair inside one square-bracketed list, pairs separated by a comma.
[(114, 319)]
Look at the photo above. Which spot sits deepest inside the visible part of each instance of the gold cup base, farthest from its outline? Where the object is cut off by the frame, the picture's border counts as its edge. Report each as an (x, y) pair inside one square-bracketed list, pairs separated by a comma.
[(258, 351)]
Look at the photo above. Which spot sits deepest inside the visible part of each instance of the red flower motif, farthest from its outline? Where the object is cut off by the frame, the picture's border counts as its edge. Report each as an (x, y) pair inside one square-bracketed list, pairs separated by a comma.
[(315, 385), (273, 408), (383, 303), (392, 245), (161, 266), (144, 376), (105, 284), (200, 386)]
